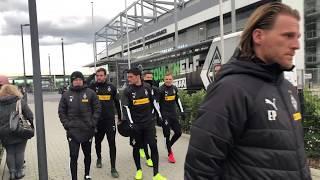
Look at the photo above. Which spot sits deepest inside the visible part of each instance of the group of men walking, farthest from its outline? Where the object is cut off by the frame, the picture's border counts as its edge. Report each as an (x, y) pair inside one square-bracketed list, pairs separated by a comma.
[(88, 108), (248, 126)]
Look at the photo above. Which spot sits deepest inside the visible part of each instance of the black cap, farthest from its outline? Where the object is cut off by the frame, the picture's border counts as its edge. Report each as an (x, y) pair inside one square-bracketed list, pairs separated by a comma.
[(75, 75)]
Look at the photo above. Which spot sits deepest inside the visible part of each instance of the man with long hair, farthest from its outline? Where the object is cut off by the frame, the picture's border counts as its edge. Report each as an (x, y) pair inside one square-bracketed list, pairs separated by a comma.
[(249, 125)]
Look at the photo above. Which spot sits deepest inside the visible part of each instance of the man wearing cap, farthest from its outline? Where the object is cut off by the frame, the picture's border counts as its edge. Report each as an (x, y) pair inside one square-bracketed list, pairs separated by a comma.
[(79, 111)]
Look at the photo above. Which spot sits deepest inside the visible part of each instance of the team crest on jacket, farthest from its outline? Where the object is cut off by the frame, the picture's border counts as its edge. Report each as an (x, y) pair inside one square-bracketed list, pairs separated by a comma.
[(174, 91), (146, 92), (272, 113), (70, 98), (109, 89), (133, 95), (85, 98)]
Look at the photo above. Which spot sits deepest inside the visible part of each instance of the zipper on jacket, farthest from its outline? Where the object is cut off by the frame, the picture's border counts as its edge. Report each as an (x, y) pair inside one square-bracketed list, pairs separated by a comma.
[(293, 128), (79, 99)]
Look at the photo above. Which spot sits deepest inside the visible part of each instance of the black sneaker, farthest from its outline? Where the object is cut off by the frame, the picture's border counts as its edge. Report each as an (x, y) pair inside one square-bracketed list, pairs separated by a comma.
[(114, 173), (87, 177), (12, 175), (99, 163), (20, 174)]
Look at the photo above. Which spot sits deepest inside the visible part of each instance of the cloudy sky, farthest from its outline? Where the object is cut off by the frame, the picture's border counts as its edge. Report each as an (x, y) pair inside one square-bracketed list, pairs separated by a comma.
[(70, 19)]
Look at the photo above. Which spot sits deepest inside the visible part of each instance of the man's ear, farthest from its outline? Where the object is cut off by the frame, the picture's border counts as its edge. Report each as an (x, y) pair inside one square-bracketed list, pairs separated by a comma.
[(257, 36)]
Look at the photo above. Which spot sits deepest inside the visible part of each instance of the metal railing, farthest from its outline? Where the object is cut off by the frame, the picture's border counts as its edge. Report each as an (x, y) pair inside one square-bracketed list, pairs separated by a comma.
[(314, 82)]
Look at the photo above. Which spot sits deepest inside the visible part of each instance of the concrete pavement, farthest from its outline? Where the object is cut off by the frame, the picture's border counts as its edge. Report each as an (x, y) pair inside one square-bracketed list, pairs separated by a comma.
[(58, 154)]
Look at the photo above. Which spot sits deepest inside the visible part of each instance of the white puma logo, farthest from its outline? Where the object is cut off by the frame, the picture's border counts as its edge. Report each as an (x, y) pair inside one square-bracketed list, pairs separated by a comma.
[(272, 114), (272, 103)]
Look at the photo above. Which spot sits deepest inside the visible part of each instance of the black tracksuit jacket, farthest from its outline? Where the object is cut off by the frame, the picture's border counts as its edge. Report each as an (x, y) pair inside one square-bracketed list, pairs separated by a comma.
[(139, 100), (79, 111), (109, 98), (248, 127), (168, 99)]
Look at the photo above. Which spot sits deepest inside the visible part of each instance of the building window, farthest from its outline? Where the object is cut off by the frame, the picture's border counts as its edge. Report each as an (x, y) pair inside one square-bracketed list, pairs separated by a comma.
[(202, 32)]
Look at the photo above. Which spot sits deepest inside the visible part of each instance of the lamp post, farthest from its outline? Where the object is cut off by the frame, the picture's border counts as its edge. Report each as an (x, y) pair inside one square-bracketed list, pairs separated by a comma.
[(221, 30), (50, 77), (24, 63), (38, 98), (128, 41), (94, 39), (49, 65), (64, 70)]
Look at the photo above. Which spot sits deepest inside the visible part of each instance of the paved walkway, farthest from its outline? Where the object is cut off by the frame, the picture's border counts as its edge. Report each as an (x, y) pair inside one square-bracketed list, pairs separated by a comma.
[(58, 155)]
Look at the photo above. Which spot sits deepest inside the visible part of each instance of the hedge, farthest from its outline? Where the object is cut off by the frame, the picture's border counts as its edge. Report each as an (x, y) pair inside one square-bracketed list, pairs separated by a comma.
[(311, 123), (191, 103)]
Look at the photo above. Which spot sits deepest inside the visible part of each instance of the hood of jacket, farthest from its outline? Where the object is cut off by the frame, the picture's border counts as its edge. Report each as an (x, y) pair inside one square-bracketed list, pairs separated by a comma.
[(252, 66), (8, 99)]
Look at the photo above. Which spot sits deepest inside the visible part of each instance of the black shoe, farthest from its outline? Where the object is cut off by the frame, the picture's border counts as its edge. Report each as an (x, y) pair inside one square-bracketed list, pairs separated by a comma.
[(20, 174), (114, 173), (99, 163), (87, 177), (12, 176)]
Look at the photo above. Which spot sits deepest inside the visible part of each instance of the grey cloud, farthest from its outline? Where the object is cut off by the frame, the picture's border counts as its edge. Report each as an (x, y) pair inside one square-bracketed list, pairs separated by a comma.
[(13, 5), (72, 29)]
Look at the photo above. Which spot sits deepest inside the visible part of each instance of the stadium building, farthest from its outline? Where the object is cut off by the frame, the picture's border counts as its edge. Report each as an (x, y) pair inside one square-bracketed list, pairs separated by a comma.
[(172, 35)]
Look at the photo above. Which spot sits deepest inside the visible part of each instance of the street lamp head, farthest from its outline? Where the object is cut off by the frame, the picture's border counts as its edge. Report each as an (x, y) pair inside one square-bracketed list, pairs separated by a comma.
[(25, 24)]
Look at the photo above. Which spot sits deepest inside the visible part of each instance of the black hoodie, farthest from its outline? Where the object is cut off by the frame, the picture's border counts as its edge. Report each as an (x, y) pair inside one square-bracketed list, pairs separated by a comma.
[(248, 127), (79, 112)]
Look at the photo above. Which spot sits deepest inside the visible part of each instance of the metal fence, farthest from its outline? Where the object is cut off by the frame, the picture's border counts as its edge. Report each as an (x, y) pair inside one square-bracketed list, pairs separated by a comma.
[(312, 80)]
